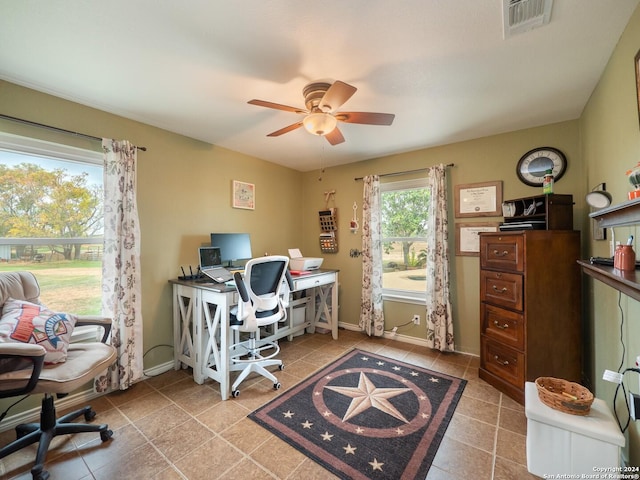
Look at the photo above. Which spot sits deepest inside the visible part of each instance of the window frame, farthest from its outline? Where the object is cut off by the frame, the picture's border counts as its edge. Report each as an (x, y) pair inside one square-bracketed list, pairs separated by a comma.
[(41, 148), (398, 295)]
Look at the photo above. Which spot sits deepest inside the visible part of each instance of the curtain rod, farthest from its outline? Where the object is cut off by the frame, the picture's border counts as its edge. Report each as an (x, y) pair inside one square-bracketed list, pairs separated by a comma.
[(406, 172), (56, 129)]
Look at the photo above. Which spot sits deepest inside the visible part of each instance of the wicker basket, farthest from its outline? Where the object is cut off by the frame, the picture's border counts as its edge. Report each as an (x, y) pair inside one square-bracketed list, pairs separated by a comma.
[(568, 397)]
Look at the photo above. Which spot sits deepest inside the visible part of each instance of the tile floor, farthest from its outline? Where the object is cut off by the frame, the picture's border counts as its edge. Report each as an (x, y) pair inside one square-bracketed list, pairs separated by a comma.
[(168, 427)]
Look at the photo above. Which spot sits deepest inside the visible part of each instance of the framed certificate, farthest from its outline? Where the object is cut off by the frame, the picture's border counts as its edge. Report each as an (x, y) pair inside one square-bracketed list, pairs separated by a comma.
[(478, 199), (468, 237)]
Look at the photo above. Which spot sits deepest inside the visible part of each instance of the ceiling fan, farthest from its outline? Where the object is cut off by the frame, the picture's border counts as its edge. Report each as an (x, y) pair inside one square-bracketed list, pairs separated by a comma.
[(322, 100)]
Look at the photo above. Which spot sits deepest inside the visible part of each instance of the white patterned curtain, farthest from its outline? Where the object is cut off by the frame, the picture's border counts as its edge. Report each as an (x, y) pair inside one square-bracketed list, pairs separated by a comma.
[(439, 319), (121, 285), (371, 315)]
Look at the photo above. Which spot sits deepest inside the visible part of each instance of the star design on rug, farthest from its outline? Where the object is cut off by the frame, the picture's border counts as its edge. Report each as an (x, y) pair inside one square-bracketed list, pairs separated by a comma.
[(376, 465), (307, 424), (366, 395), (397, 368), (434, 380), (288, 414), (349, 450), (327, 436)]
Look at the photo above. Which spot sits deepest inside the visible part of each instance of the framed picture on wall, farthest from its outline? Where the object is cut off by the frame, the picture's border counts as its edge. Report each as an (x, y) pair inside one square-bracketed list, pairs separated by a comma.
[(468, 237), (478, 199), (244, 195)]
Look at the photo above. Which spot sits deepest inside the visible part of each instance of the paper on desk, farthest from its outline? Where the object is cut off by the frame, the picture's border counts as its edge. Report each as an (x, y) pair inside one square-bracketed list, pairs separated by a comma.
[(295, 253)]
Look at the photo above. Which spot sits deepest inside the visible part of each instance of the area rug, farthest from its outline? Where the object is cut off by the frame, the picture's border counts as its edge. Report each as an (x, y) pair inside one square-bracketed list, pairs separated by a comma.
[(366, 416)]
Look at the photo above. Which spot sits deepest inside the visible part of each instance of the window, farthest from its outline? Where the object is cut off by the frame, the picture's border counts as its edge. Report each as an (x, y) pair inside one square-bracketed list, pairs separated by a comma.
[(51, 220), (404, 209)]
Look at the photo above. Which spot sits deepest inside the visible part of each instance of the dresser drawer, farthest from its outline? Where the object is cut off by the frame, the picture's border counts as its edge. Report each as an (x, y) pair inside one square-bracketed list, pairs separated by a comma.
[(505, 362), (500, 288), (502, 252), (503, 325)]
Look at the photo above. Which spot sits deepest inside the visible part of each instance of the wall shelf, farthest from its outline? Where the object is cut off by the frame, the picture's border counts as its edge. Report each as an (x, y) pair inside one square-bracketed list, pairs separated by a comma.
[(622, 214), (625, 282)]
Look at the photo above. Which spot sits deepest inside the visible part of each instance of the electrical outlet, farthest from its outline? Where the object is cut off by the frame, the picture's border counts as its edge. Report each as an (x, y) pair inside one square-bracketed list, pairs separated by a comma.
[(634, 405), (416, 319)]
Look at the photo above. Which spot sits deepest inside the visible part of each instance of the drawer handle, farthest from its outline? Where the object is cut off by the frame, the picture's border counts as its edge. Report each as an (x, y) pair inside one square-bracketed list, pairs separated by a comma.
[(504, 363), (500, 254), (499, 290), (504, 326)]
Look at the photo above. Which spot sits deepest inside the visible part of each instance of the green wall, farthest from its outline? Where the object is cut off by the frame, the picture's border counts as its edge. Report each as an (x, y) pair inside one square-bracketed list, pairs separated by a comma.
[(486, 159), (184, 194), (610, 143)]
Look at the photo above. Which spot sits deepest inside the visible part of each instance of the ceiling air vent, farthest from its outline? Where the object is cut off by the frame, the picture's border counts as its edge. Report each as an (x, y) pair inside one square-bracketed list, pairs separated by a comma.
[(520, 16)]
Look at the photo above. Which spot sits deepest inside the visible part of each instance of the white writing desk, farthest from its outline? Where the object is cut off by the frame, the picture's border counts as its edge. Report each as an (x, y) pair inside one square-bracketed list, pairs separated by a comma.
[(201, 333)]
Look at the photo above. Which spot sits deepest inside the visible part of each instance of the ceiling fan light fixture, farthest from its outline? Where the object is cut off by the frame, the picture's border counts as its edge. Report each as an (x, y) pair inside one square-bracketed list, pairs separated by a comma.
[(320, 123)]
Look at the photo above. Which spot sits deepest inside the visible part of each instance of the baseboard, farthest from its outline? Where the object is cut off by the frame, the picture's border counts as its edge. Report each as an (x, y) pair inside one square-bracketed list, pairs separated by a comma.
[(398, 336), (159, 369), (74, 400)]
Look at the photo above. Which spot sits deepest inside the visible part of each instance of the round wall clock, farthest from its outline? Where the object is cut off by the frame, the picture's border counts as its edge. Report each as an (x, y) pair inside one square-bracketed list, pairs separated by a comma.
[(533, 165)]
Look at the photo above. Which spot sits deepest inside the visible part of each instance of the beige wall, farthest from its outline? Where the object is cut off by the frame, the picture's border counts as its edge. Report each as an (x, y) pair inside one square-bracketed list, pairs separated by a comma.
[(184, 194), (610, 142), (486, 159)]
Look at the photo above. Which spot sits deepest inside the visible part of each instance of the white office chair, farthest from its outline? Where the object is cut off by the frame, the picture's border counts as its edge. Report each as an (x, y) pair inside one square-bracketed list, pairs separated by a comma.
[(264, 297)]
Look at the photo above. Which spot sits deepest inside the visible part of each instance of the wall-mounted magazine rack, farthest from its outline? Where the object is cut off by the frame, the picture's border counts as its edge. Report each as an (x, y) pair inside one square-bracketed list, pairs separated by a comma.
[(328, 228)]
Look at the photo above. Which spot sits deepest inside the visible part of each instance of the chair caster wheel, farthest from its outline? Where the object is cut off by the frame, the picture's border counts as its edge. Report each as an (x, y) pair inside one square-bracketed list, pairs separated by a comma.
[(89, 415), (276, 386), (235, 393), (281, 366), (106, 435), (43, 475)]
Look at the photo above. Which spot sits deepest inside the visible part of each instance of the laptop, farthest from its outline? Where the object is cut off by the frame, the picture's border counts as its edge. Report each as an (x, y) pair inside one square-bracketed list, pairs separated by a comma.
[(211, 265)]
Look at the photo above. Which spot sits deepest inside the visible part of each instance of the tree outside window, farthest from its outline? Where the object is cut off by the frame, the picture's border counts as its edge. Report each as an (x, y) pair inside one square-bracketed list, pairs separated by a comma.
[(404, 210), (51, 220)]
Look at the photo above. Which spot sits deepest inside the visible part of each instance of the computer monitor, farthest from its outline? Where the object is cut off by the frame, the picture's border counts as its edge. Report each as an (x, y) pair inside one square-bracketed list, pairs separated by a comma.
[(233, 247)]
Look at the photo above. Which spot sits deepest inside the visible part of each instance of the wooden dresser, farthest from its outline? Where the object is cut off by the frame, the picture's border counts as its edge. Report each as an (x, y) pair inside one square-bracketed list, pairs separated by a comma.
[(530, 308)]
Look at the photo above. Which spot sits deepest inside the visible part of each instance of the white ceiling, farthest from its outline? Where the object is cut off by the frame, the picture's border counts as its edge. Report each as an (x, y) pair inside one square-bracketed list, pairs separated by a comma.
[(441, 66)]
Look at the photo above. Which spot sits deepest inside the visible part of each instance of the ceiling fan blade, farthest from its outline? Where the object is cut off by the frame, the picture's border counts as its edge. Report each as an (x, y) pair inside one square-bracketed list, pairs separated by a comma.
[(277, 106), (284, 130), (335, 136), (337, 94), (367, 118)]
